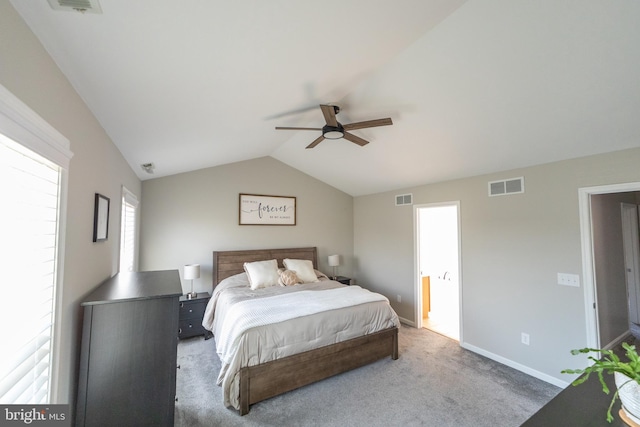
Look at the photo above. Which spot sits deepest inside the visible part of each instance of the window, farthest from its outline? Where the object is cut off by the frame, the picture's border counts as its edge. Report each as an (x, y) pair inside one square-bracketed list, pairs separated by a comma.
[(29, 226), (33, 162), (128, 231)]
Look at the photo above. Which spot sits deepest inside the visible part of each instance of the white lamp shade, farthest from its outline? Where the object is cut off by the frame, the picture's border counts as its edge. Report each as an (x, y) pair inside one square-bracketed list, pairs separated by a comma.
[(191, 271), (334, 260)]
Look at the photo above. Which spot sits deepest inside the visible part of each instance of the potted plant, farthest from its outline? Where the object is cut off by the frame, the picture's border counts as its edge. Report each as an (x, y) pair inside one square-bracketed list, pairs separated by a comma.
[(627, 377)]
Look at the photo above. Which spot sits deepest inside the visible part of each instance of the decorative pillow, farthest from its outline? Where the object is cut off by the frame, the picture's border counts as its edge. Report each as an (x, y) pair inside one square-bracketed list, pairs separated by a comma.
[(262, 274), (288, 278), (303, 268)]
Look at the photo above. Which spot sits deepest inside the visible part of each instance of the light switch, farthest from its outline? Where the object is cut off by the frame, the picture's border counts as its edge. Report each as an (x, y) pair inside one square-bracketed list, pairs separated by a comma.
[(569, 279)]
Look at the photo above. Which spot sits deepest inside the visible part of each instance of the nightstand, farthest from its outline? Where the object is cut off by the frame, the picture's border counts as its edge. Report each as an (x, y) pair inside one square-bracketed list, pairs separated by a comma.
[(343, 280), (191, 314)]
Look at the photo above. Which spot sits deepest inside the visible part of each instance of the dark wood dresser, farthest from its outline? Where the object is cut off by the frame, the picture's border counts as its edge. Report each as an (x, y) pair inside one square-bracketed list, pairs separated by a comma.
[(129, 348), (584, 405)]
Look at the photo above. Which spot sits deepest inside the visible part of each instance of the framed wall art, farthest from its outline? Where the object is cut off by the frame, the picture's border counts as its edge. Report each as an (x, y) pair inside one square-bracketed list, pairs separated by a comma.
[(256, 209), (100, 218)]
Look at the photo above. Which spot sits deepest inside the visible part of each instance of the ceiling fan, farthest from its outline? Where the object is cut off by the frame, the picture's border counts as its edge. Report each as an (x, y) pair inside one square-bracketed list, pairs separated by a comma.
[(335, 130)]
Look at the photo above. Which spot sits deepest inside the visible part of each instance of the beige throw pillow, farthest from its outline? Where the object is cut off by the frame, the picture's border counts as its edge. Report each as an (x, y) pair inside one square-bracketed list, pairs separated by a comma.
[(288, 278)]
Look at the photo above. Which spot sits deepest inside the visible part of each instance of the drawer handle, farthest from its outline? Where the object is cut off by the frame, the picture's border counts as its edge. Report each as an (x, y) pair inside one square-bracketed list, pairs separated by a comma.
[(190, 310)]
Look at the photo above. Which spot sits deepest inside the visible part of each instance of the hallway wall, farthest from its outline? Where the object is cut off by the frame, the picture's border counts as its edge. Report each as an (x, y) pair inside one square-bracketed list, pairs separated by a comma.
[(611, 289)]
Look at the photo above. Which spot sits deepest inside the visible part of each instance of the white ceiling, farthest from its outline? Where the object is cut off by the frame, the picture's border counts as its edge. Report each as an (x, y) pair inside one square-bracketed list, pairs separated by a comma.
[(472, 86)]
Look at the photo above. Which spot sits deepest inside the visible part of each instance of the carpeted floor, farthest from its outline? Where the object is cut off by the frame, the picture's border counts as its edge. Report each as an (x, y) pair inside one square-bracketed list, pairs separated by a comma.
[(433, 383)]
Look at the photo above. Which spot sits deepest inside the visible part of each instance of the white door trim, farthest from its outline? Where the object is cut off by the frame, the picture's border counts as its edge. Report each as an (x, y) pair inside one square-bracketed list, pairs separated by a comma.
[(588, 267)]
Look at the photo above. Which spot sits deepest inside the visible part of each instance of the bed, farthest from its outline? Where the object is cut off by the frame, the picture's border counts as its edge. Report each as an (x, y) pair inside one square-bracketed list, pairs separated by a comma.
[(264, 358)]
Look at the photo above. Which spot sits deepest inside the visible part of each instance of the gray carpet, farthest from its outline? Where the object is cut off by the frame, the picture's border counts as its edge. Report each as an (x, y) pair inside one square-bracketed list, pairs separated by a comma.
[(433, 383)]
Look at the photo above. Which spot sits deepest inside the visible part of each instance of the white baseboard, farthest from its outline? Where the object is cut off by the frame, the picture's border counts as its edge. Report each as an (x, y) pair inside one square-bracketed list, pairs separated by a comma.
[(522, 368), (617, 341), (407, 322)]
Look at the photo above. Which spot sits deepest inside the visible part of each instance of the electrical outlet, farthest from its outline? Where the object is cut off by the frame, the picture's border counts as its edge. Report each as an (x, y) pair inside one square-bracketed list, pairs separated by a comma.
[(525, 339), (399, 298), (569, 280)]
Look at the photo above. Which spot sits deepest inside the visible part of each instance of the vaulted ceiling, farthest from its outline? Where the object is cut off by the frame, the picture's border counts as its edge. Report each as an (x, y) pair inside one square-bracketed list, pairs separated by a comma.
[(471, 86)]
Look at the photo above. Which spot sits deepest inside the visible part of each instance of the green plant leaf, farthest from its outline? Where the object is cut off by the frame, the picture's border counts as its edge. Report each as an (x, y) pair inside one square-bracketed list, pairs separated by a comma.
[(608, 362)]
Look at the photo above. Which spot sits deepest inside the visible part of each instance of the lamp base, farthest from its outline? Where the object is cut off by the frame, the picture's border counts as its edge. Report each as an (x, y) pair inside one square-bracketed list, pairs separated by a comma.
[(192, 295)]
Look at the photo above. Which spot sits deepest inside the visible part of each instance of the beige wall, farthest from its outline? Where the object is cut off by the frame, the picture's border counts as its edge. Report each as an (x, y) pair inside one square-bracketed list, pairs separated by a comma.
[(187, 216), (30, 74), (512, 249)]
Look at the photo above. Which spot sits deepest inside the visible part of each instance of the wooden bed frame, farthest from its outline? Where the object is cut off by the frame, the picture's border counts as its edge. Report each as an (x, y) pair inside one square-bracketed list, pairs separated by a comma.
[(270, 379)]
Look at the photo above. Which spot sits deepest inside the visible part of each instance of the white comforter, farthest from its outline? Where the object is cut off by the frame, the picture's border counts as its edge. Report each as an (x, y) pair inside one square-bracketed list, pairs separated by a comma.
[(256, 326)]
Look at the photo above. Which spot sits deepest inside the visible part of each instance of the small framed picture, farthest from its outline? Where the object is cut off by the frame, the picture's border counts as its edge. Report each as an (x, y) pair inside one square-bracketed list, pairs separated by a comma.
[(256, 209), (101, 218)]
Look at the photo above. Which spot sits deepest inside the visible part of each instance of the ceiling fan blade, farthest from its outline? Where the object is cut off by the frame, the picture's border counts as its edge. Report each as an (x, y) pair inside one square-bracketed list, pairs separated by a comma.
[(355, 139), (292, 112), (329, 113), (316, 142), (368, 124), (292, 128)]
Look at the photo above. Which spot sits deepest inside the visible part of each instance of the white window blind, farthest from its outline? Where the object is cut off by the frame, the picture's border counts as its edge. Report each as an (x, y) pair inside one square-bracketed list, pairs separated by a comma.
[(30, 194), (128, 231)]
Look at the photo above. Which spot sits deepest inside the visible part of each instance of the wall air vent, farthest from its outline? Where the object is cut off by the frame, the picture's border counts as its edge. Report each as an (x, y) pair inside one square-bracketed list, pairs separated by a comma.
[(404, 199), (84, 6), (506, 186)]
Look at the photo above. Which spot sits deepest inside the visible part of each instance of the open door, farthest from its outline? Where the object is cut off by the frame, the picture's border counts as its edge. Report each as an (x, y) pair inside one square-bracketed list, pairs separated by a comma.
[(631, 243)]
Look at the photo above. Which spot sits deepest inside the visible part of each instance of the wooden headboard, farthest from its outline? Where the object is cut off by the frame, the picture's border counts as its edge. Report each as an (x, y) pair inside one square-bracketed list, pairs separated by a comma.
[(228, 263)]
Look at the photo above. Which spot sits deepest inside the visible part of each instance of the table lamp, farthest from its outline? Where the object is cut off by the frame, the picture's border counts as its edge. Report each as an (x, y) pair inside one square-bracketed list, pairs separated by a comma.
[(191, 271), (334, 261)]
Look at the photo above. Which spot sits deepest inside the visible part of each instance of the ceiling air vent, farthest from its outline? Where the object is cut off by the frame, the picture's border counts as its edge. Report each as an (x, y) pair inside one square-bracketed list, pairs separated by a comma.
[(506, 186), (404, 199), (90, 6)]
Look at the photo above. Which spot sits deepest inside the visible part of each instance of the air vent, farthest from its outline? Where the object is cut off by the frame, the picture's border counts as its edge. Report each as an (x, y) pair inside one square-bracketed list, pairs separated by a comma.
[(506, 186), (404, 199), (84, 6)]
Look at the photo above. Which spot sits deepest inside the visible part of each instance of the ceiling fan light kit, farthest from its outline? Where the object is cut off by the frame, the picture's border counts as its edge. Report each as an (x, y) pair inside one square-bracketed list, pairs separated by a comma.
[(332, 132), (335, 130)]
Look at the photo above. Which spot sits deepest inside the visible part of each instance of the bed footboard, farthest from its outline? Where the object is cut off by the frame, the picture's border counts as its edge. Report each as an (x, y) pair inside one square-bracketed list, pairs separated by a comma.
[(270, 379)]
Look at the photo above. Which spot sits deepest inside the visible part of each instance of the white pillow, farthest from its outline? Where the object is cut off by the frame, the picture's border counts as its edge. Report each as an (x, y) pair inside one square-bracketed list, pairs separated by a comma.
[(303, 268), (262, 274)]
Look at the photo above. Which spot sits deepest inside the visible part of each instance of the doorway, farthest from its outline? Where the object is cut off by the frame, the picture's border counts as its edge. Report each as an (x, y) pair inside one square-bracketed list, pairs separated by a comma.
[(438, 268), (602, 331), (631, 250)]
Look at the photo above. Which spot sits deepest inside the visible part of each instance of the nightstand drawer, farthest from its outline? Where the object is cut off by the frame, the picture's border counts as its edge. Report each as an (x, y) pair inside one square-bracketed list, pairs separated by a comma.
[(192, 309), (190, 328), (343, 280), (191, 312)]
